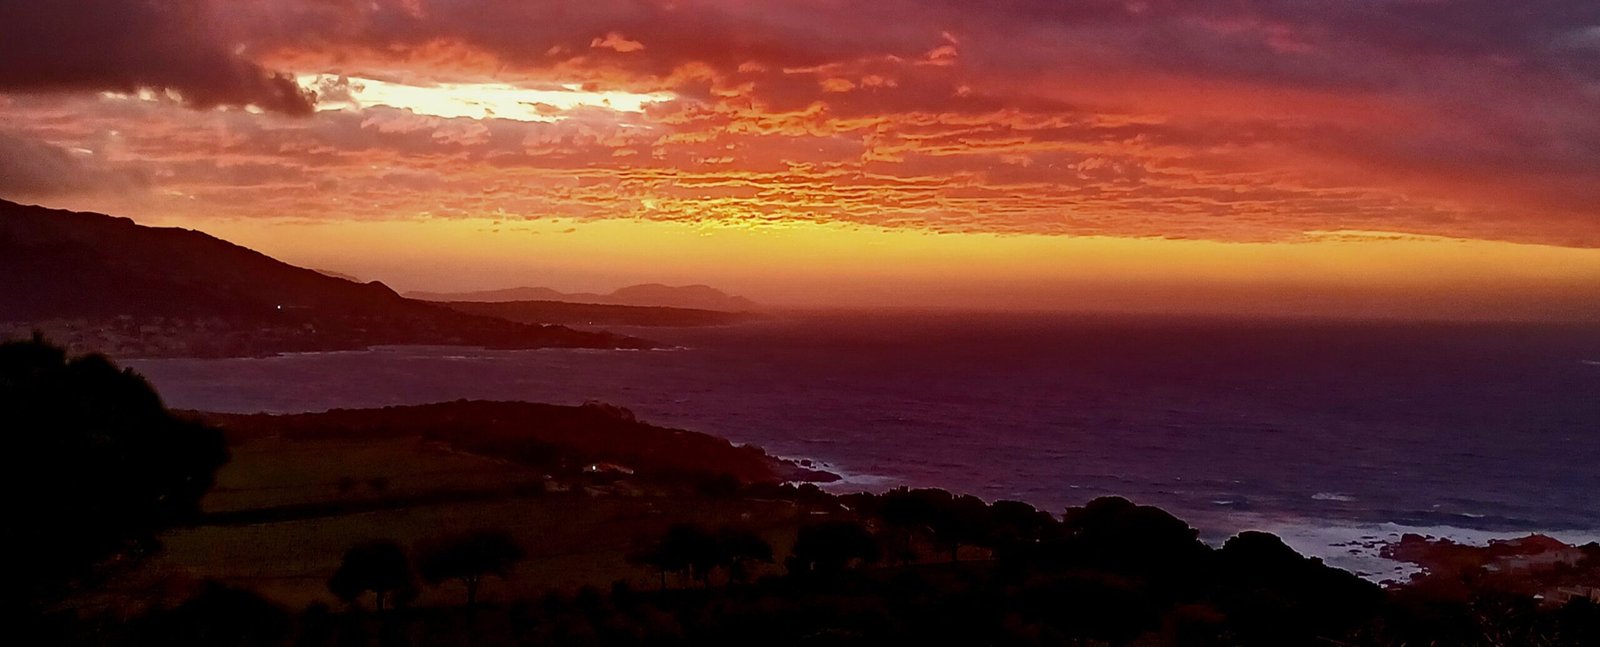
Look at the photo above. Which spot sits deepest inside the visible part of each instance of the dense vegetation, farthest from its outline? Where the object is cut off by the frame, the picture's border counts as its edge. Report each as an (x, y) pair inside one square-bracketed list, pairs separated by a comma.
[(94, 467), (877, 570)]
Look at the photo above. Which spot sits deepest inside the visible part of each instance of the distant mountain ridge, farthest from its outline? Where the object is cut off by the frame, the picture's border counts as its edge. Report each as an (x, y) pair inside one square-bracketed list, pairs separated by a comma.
[(110, 284), (593, 314), (656, 295)]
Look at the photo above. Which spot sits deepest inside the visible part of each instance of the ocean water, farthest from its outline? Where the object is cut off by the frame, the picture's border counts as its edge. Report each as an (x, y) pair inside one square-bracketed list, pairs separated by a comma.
[(1333, 435)]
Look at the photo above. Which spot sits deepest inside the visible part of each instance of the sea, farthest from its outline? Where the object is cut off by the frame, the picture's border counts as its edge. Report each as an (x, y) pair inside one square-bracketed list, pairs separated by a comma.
[(1337, 436)]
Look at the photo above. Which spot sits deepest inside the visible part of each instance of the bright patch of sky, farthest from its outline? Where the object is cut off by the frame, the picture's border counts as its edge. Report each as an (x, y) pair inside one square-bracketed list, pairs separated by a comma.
[(473, 100)]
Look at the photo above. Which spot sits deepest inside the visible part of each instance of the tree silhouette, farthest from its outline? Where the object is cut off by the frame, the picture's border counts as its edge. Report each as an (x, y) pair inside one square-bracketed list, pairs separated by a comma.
[(1017, 531), (680, 550), (961, 520), (1114, 534), (738, 548), (1278, 593), (829, 547), (217, 615), (909, 513), (694, 547), (691, 549), (379, 566), (652, 557), (951, 520), (468, 558), (94, 466), (1018, 521)]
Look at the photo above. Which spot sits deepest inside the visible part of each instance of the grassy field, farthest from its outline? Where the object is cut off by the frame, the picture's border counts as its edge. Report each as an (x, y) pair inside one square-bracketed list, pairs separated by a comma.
[(573, 536), (271, 472)]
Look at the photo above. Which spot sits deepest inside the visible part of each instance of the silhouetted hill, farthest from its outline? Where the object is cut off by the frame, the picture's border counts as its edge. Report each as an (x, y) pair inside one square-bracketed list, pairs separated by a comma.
[(60, 264), (341, 275), (698, 297), (561, 439), (594, 314), (184, 292)]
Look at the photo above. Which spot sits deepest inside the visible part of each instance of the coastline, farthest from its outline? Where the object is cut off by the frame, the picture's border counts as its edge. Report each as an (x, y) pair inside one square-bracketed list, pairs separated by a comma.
[(1353, 546), (1356, 546), (668, 388)]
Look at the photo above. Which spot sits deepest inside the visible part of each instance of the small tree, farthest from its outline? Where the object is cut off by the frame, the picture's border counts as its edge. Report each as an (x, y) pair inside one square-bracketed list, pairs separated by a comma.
[(379, 566), (669, 554), (689, 548), (912, 512), (1017, 531), (829, 547), (1018, 521), (469, 558), (961, 520), (738, 548)]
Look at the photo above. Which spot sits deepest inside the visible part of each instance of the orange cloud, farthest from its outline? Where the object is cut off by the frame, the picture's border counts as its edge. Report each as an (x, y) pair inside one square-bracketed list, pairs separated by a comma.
[(1256, 121), (617, 42)]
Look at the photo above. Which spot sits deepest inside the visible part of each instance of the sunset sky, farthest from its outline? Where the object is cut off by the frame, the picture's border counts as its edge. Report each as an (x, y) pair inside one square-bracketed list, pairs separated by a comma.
[(1366, 157)]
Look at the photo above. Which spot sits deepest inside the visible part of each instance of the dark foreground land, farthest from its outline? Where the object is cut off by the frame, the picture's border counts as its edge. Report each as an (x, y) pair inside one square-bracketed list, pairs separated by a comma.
[(481, 523)]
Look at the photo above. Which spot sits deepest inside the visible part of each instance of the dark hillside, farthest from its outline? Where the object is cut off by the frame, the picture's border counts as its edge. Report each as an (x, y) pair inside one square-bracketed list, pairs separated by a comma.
[(176, 291)]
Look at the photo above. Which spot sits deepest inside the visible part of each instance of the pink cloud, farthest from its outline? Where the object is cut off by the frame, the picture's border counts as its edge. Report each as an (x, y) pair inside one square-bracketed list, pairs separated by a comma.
[(1256, 120)]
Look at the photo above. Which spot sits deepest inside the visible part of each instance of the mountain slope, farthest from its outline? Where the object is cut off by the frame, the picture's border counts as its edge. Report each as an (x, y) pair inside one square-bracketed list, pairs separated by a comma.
[(60, 264), (67, 266), (655, 295)]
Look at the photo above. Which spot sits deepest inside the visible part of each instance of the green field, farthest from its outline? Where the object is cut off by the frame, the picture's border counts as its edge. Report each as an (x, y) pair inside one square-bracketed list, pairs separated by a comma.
[(574, 535)]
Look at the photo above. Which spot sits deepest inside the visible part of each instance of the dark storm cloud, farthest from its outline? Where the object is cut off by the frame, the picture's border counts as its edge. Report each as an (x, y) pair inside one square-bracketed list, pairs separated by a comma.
[(129, 45)]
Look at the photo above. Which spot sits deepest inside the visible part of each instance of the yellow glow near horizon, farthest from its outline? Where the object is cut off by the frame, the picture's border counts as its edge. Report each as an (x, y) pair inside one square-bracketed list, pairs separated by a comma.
[(809, 265), (476, 100)]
